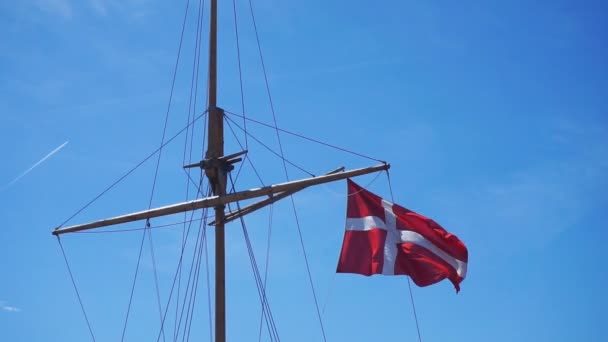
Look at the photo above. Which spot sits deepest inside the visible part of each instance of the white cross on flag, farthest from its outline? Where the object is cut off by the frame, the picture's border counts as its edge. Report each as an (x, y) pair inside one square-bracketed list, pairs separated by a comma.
[(385, 238)]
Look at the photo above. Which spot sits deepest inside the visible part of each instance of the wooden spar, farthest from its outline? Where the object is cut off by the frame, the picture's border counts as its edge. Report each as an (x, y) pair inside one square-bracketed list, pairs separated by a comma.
[(233, 215), (215, 201), (217, 178)]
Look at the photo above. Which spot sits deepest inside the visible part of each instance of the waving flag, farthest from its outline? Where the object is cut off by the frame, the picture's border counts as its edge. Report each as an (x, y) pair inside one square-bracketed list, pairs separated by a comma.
[(385, 238)]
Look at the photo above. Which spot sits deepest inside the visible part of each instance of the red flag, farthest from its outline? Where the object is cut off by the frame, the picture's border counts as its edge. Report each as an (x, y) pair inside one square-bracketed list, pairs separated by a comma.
[(385, 238)]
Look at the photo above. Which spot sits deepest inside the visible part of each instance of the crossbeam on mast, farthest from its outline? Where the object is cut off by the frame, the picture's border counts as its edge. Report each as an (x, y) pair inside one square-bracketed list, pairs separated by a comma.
[(215, 201), (233, 215)]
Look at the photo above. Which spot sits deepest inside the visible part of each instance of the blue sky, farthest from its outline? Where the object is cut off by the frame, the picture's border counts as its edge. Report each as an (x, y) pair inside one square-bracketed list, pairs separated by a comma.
[(493, 115)]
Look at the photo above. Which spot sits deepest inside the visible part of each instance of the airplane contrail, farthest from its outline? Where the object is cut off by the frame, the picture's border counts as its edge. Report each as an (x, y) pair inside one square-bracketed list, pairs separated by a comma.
[(37, 163)]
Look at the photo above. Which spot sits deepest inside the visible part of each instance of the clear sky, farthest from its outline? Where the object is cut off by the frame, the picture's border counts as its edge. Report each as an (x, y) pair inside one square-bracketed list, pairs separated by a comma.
[(493, 115)]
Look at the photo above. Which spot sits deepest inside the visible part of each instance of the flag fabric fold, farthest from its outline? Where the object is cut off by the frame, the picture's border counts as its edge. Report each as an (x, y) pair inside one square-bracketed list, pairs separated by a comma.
[(384, 238)]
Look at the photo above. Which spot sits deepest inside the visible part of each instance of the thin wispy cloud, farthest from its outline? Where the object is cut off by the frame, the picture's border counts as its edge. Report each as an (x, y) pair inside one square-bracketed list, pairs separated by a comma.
[(338, 68), (68, 8), (62, 8), (99, 6), (540, 200), (133, 9), (8, 308), (24, 173)]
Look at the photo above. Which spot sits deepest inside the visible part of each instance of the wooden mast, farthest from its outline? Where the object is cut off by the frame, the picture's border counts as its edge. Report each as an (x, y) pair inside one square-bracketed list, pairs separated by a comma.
[(217, 178), (216, 167)]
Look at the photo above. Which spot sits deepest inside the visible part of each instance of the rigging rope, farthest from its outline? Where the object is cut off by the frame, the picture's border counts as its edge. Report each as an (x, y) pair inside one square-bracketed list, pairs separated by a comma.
[(305, 137), (130, 171), (279, 155), (330, 288), (233, 188), (191, 284), (189, 295), (192, 102), (208, 292), (266, 262), (409, 285), (67, 264), (121, 179), (141, 248), (246, 155), (286, 172), (160, 150), (179, 264), (196, 276), (270, 323), (136, 229), (238, 56), (160, 312), (314, 294), (192, 281)]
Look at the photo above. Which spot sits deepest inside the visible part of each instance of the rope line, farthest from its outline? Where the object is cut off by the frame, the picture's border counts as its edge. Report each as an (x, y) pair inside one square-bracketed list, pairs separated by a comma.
[(246, 156), (267, 313), (67, 264), (192, 102), (141, 248), (409, 285), (210, 314), (238, 56), (130, 171), (160, 311), (286, 172), (341, 194), (179, 264), (312, 288), (330, 288), (135, 229), (270, 323), (190, 287), (305, 137), (191, 282), (266, 262), (271, 150), (197, 277), (158, 160)]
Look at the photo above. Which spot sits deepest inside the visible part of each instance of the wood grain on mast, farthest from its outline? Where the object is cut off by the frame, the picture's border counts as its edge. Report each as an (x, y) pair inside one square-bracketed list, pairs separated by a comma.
[(217, 178)]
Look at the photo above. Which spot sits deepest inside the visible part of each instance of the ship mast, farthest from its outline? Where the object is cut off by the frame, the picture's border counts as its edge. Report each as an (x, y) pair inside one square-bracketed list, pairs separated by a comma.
[(217, 179), (217, 166)]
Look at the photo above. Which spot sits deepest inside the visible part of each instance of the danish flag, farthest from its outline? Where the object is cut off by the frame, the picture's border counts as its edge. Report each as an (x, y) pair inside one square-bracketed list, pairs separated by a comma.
[(385, 238)]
